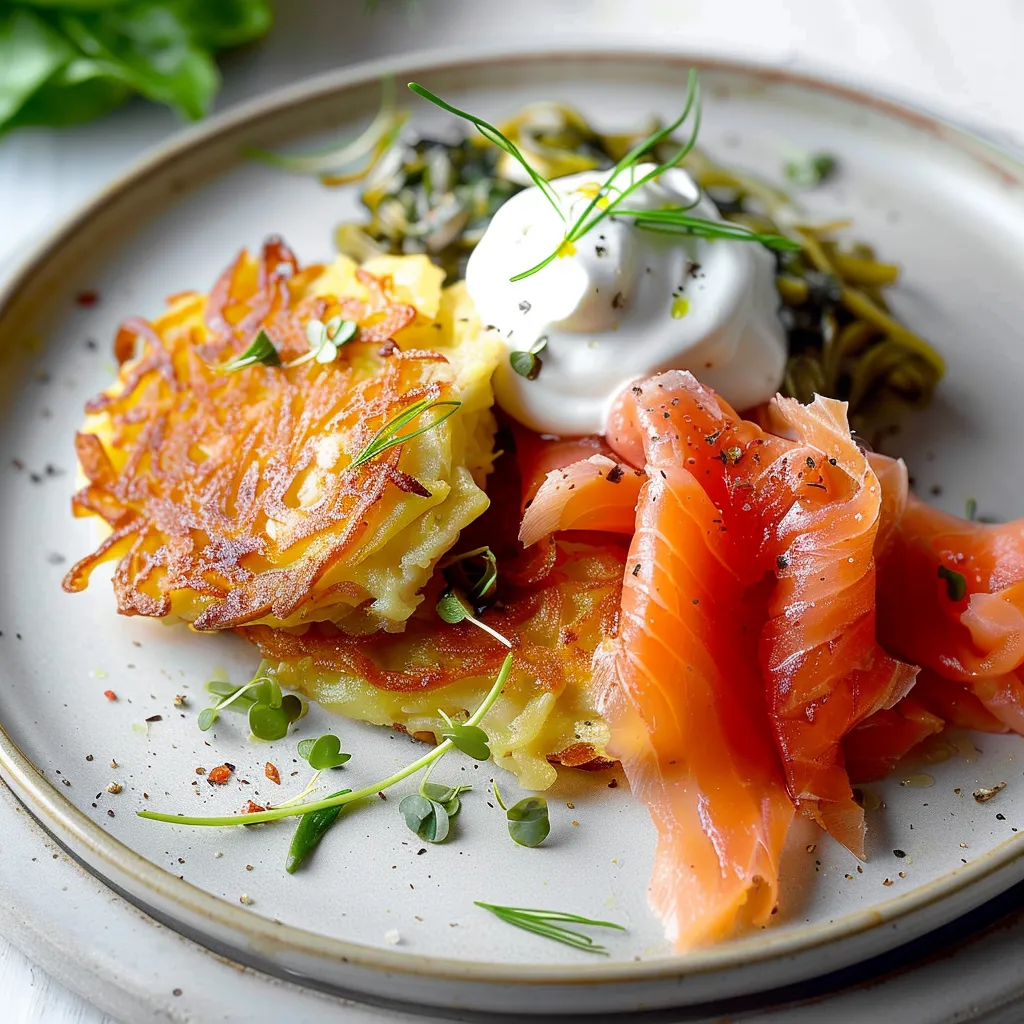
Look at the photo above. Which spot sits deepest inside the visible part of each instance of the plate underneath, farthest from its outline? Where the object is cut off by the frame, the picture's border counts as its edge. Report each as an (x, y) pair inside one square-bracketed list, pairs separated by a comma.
[(174, 227)]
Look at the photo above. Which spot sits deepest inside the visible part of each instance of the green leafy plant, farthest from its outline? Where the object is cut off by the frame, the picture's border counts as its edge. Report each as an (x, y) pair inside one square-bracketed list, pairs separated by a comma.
[(453, 608), (527, 362), (528, 823), (323, 753), (549, 924), (261, 352), (342, 800), (63, 62), (325, 340), (270, 712)]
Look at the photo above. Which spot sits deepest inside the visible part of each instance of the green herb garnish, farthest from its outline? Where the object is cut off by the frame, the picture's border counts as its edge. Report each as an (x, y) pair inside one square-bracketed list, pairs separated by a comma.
[(496, 138), (527, 363), (811, 170), (971, 509), (389, 437), (311, 829), (956, 583), (261, 351), (476, 571), (323, 753), (281, 811), (325, 339), (609, 198), (270, 712), (453, 608), (546, 923), (470, 739), (527, 820)]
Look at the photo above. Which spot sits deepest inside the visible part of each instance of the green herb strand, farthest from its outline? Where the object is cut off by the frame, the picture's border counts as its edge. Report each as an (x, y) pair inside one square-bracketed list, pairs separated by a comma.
[(389, 437), (496, 138), (546, 923), (276, 813), (956, 583), (261, 351)]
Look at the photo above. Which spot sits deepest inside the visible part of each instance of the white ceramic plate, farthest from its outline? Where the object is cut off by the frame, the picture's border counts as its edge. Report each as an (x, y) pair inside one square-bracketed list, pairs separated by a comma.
[(945, 205)]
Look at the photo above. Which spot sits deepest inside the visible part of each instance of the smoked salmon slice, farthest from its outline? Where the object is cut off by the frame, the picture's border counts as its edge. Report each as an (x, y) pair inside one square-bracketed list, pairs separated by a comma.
[(681, 690), (951, 598), (875, 746), (799, 519), (597, 493)]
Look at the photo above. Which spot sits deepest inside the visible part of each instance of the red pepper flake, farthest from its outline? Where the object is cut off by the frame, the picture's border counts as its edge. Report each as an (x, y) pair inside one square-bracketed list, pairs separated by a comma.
[(220, 775), (273, 774), (252, 808), (110, 695), (87, 298)]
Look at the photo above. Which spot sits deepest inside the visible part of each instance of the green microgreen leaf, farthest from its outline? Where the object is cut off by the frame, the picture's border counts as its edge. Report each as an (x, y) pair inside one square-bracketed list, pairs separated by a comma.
[(470, 739), (324, 752), (269, 711), (548, 924), (426, 817), (811, 170), (496, 138), (956, 583), (528, 823), (389, 435), (527, 363), (282, 811), (268, 723), (325, 340), (971, 509), (454, 608), (261, 351), (206, 719), (476, 571), (311, 829)]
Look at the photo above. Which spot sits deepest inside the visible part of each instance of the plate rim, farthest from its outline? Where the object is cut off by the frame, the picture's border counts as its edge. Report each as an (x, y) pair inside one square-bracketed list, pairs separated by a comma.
[(48, 804)]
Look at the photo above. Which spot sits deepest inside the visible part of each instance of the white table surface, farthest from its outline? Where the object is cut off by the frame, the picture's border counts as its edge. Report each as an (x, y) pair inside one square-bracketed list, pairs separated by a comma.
[(953, 58)]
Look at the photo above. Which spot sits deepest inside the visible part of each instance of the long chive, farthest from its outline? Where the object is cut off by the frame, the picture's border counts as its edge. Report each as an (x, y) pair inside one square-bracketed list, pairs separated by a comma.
[(544, 923)]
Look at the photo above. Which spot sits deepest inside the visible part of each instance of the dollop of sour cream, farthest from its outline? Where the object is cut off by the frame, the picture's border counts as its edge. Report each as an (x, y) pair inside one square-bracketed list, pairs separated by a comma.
[(622, 303)]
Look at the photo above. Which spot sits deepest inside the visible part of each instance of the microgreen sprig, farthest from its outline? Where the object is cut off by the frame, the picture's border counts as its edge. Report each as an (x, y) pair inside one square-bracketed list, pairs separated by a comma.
[(323, 753), (453, 608), (496, 138), (548, 923), (475, 571), (261, 351), (270, 712), (527, 820), (430, 812), (325, 340), (388, 436), (527, 362), (275, 813)]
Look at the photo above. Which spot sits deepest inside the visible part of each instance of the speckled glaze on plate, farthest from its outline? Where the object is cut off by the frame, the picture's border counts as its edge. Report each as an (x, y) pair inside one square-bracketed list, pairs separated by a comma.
[(944, 204)]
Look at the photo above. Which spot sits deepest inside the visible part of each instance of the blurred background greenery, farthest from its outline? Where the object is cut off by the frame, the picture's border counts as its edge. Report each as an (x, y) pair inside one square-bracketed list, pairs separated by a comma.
[(63, 62)]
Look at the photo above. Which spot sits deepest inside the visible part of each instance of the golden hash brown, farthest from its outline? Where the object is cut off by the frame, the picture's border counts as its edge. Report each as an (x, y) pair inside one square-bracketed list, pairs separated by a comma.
[(229, 496), (556, 603)]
